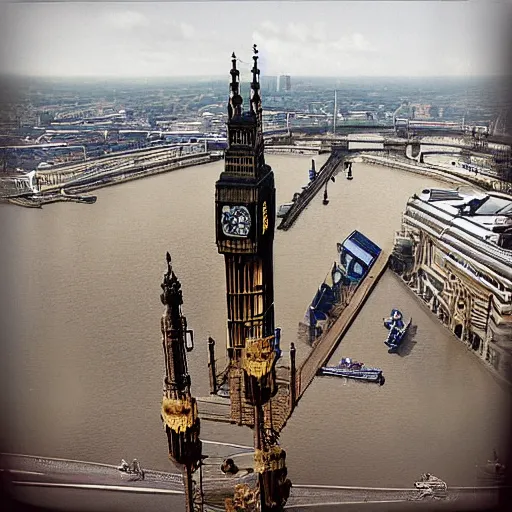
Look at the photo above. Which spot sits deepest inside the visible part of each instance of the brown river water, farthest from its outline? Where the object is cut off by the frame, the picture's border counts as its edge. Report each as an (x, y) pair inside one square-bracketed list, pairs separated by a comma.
[(81, 363)]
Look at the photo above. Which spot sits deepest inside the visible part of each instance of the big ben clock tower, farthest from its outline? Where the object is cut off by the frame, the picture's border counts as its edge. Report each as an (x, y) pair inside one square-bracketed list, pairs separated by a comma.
[(245, 223), (245, 219)]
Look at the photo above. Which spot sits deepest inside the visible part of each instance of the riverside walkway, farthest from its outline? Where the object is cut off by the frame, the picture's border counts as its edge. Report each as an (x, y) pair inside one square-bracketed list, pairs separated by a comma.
[(66, 184)]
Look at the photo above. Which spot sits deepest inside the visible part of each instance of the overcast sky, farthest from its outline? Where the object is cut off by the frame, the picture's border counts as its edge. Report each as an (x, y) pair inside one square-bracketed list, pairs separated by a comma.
[(338, 38)]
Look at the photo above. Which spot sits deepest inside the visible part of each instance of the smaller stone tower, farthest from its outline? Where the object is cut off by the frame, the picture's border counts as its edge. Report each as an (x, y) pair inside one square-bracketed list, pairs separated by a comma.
[(179, 407)]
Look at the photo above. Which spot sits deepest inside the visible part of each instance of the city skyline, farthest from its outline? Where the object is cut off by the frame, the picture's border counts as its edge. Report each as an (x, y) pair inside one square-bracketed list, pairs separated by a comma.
[(328, 39)]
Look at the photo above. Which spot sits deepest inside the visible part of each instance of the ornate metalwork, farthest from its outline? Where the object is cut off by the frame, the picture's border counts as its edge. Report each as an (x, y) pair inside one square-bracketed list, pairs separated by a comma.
[(270, 436), (236, 221), (245, 498)]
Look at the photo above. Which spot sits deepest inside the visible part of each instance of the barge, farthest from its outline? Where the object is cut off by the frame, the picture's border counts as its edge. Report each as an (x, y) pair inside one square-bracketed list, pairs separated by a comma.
[(353, 370), (397, 330), (357, 254)]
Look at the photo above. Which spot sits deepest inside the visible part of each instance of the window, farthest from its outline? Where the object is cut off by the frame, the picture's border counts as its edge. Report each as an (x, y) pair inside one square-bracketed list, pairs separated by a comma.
[(505, 240), (358, 269), (493, 357), (492, 205)]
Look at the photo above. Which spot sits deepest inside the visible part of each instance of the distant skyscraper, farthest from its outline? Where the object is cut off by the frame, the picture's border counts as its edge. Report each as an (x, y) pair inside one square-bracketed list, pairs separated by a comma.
[(268, 83), (284, 83)]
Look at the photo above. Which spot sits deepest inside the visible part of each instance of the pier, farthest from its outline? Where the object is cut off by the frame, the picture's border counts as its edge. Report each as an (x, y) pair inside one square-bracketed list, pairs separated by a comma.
[(293, 381), (324, 347), (324, 175)]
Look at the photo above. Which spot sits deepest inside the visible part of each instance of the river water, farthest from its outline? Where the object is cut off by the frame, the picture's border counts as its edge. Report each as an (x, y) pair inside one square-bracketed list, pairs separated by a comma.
[(81, 360)]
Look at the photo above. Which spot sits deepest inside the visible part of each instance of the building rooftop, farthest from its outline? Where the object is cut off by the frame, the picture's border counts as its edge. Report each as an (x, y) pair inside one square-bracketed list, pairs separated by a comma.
[(486, 216)]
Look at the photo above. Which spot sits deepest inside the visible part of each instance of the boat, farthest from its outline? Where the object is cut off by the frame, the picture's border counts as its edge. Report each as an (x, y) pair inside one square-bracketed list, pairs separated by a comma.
[(85, 199), (357, 254), (430, 486), (284, 209), (78, 198), (353, 370), (495, 467), (397, 330)]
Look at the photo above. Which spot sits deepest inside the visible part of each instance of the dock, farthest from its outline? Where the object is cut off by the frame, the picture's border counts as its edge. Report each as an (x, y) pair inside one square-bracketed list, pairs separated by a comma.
[(324, 175), (281, 406), (325, 346)]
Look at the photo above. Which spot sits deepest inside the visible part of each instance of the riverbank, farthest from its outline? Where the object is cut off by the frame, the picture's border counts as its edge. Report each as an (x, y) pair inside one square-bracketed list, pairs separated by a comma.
[(504, 381), (74, 193), (296, 150), (457, 175)]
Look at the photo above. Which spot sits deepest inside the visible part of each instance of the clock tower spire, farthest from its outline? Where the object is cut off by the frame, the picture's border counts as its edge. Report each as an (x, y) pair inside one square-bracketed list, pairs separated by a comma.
[(245, 218), (235, 100)]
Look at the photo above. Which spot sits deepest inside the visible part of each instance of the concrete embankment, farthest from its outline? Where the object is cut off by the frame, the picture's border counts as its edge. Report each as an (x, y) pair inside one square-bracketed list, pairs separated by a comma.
[(452, 176), (297, 150), (122, 176), (88, 182)]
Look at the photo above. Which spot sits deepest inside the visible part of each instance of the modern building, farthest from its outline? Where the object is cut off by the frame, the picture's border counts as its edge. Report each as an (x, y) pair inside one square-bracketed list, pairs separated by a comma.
[(420, 111), (284, 83), (455, 252)]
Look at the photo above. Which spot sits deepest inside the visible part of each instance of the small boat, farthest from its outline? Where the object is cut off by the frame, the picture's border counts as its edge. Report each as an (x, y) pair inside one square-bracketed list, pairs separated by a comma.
[(86, 199), (397, 330), (429, 486), (284, 209), (495, 467), (353, 370)]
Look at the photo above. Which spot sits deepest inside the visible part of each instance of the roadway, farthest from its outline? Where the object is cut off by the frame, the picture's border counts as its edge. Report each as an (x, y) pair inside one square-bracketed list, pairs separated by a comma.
[(26, 471)]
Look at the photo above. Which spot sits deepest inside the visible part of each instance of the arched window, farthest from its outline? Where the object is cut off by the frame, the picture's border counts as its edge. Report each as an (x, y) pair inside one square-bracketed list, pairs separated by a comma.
[(506, 240)]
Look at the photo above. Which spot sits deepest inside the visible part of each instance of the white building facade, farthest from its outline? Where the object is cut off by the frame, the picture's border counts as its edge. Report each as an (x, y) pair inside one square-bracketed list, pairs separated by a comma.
[(455, 252)]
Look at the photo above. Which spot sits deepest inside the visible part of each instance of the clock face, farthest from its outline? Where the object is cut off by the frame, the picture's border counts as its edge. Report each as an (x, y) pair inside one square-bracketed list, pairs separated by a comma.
[(236, 221)]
